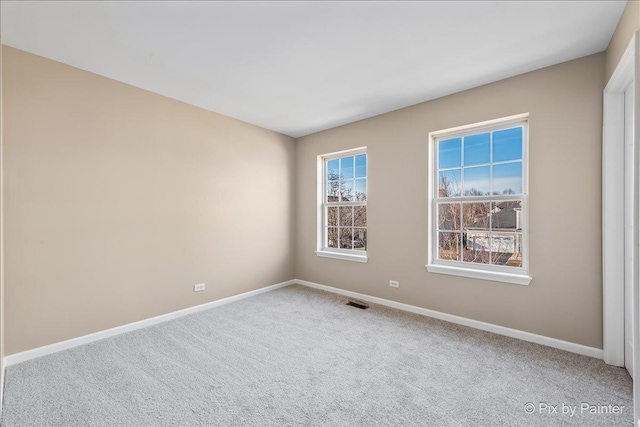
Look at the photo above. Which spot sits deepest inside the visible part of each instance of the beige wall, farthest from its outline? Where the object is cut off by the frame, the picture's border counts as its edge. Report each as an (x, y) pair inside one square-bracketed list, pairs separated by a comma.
[(119, 200), (564, 300), (628, 25)]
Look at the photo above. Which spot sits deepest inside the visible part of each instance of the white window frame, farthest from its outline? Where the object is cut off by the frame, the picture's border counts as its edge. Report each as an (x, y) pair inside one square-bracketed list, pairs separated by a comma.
[(516, 275), (322, 249)]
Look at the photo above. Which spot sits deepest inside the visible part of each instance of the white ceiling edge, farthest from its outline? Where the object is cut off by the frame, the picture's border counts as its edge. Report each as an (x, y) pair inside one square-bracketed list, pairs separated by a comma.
[(298, 68)]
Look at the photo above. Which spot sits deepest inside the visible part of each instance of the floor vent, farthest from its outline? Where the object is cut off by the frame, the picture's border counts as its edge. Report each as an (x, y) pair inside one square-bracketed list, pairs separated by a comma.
[(358, 304)]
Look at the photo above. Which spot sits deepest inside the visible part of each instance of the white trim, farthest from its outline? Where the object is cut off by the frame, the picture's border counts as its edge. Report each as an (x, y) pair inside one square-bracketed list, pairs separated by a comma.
[(489, 327), (517, 279), (507, 274), (345, 153), (636, 227), (479, 127), (85, 339), (2, 334), (343, 256), (500, 330), (613, 208), (321, 236)]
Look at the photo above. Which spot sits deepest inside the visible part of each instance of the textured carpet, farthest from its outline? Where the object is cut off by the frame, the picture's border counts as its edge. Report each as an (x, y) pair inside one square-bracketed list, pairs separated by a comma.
[(298, 356)]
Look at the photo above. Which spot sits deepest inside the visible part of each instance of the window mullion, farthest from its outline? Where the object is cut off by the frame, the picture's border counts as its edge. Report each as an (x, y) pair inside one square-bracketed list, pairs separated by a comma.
[(462, 169), (461, 231), (479, 198), (491, 202)]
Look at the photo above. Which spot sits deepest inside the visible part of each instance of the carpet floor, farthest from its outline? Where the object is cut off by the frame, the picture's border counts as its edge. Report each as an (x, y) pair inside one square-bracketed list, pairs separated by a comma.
[(299, 356)]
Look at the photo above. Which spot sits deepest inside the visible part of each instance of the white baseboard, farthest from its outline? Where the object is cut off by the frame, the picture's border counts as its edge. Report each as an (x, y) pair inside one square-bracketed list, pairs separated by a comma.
[(501, 330), (85, 339), (489, 327)]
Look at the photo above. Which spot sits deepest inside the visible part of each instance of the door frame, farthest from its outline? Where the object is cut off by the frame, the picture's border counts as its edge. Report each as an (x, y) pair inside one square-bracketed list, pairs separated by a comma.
[(613, 181)]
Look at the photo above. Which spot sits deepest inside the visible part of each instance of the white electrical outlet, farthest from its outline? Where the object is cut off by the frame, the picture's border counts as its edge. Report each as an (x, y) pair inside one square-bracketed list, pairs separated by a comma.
[(198, 288), (394, 283)]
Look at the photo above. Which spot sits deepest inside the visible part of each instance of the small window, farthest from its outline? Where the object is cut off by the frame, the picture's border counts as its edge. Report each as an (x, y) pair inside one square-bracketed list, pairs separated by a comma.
[(478, 208), (343, 208)]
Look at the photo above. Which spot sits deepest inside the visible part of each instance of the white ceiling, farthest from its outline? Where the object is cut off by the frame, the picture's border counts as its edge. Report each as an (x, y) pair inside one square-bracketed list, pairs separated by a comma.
[(302, 67)]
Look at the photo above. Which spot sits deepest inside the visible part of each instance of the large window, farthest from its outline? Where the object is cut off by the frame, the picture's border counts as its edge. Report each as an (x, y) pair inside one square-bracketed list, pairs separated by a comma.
[(478, 212), (343, 206)]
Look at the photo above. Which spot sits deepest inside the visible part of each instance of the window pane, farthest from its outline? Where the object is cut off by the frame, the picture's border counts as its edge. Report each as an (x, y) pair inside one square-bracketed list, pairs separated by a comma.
[(449, 216), (346, 238), (476, 181), (475, 216), (506, 216), (332, 237), (332, 217), (361, 189), (333, 169), (477, 252), (346, 167), (477, 149), (515, 260), (475, 233), (450, 183), (505, 247), (449, 245), (346, 191), (449, 153), (346, 216), (361, 166), (507, 178), (507, 144), (360, 239), (333, 191), (360, 216)]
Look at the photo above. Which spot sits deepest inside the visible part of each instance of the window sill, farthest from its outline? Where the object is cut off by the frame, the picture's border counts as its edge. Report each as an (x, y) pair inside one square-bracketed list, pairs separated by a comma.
[(342, 256), (517, 279)]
